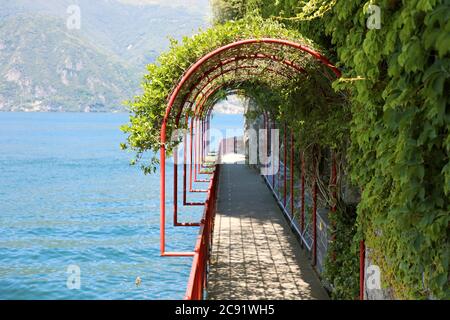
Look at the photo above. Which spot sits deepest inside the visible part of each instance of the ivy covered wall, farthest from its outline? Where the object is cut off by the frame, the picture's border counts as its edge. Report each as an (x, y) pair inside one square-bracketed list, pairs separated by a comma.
[(397, 75)]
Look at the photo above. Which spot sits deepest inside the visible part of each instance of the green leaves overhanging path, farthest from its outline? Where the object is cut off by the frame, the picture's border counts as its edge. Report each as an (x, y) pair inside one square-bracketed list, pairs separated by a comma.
[(148, 109)]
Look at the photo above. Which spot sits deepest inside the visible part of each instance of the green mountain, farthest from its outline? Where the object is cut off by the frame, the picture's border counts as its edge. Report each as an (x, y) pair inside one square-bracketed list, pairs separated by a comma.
[(45, 66)]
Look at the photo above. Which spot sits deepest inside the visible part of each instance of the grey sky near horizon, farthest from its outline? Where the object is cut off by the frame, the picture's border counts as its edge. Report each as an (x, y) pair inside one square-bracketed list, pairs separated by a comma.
[(197, 5)]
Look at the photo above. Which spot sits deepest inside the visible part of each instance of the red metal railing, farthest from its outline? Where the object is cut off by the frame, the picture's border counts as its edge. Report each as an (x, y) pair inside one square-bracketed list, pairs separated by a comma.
[(198, 276), (274, 186)]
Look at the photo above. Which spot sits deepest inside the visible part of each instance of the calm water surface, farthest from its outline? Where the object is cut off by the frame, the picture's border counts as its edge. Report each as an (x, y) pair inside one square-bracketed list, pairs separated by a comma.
[(69, 197)]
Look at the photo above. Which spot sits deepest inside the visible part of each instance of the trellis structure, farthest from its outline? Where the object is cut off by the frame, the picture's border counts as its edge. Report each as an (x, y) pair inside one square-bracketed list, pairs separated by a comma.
[(222, 70)]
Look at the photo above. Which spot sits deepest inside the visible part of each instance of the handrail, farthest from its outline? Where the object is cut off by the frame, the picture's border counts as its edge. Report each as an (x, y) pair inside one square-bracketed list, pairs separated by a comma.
[(198, 276)]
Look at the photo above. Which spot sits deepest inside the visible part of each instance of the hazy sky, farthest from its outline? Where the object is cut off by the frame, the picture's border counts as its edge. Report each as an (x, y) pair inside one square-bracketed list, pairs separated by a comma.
[(232, 105), (197, 5)]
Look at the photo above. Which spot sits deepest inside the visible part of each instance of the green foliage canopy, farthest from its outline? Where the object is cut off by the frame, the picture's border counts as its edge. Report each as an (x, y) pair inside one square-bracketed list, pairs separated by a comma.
[(398, 79), (148, 109)]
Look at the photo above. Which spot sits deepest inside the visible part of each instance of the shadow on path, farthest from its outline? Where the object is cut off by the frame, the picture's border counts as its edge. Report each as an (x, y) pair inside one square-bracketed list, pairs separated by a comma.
[(254, 254)]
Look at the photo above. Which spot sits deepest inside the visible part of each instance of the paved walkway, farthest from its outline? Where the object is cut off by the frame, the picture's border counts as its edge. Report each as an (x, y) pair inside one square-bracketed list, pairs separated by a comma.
[(255, 255)]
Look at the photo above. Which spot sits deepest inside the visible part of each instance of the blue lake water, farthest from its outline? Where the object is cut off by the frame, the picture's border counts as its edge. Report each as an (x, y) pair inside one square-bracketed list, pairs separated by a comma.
[(69, 197)]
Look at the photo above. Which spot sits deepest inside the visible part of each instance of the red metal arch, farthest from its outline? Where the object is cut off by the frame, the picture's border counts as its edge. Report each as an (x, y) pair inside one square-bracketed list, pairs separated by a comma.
[(205, 95), (259, 56), (199, 110), (190, 72), (220, 50), (223, 72)]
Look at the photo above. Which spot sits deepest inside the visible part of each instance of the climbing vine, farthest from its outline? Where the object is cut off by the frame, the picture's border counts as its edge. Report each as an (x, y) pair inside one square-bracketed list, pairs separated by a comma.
[(342, 263), (147, 110), (398, 77), (399, 135), (387, 119)]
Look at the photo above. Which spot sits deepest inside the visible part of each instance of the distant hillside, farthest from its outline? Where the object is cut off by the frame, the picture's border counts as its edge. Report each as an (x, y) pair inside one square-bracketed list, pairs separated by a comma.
[(44, 66)]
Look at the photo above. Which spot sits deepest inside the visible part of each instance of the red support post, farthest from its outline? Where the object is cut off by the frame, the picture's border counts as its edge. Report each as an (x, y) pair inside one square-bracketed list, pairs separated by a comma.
[(202, 137), (203, 140), (199, 146), (195, 148), (273, 158), (292, 174), (184, 169), (209, 134), (333, 184), (201, 152), (302, 159), (266, 126), (175, 186), (285, 166), (191, 153), (314, 213), (362, 256), (192, 166), (279, 166), (162, 221)]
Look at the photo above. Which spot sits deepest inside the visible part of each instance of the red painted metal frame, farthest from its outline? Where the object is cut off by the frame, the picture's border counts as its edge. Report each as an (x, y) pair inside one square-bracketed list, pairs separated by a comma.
[(185, 202), (197, 155), (193, 178), (198, 112), (184, 166), (292, 174), (302, 159), (279, 166), (314, 213), (239, 58), (204, 95), (273, 158), (190, 72), (193, 155), (362, 268), (285, 166), (224, 63), (212, 90), (198, 275), (333, 186), (176, 223)]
